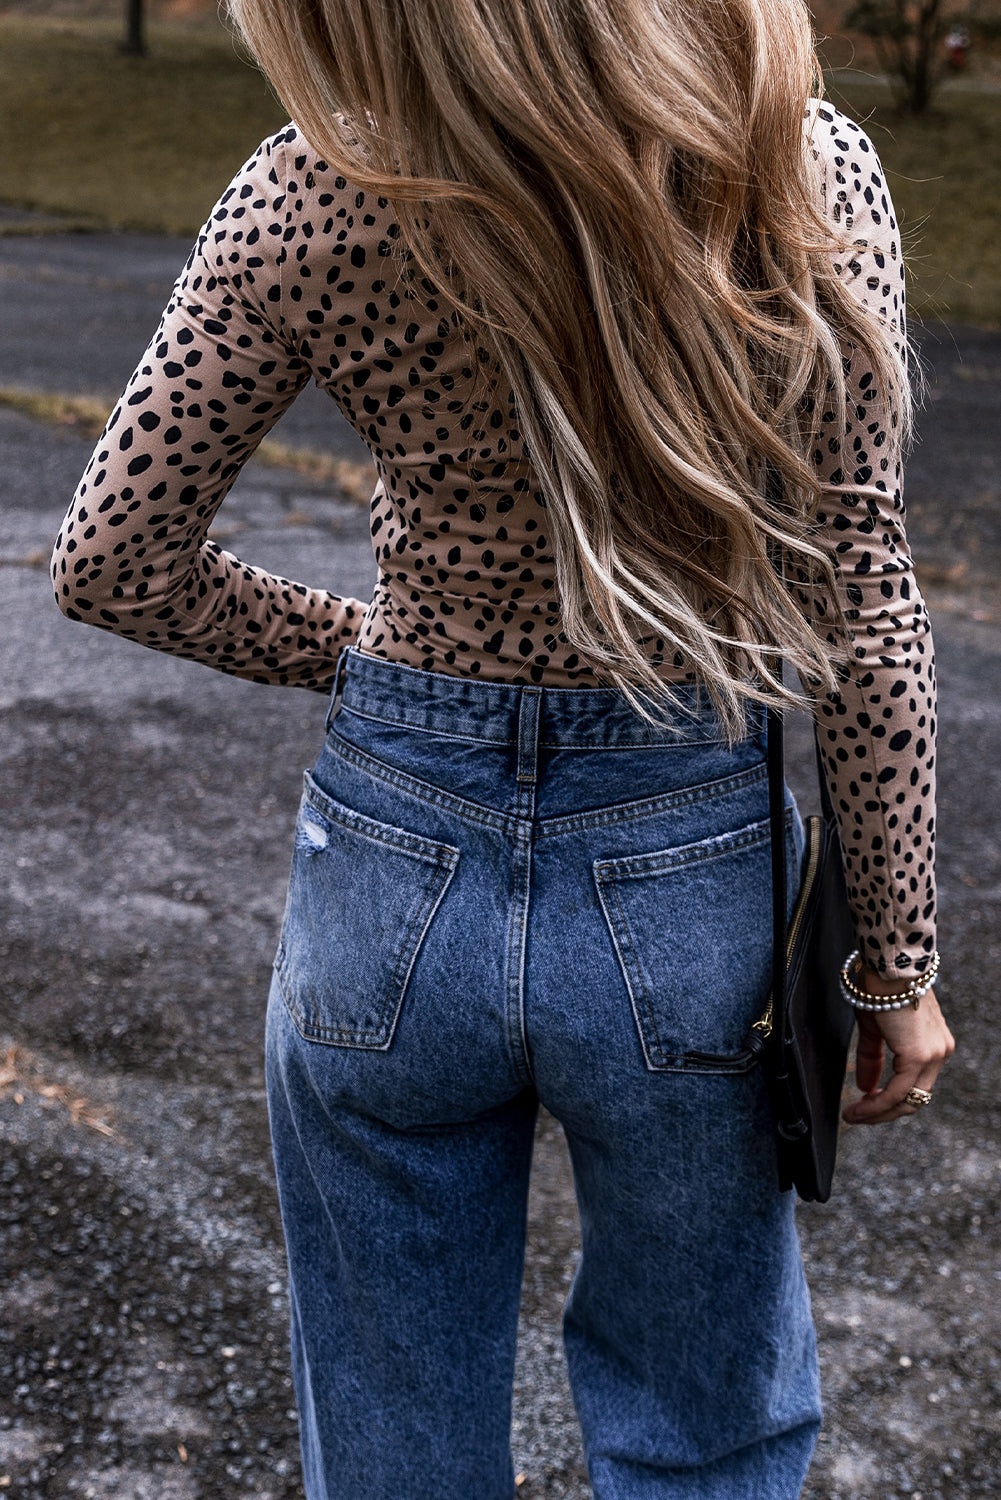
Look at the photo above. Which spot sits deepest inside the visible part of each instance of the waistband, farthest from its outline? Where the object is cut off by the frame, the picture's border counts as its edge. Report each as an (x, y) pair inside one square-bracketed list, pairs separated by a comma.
[(470, 708)]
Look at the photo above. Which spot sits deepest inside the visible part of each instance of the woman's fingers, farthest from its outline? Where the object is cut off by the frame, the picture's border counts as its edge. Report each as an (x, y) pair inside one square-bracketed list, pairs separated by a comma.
[(870, 1056), (890, 1103), (920, 1042)]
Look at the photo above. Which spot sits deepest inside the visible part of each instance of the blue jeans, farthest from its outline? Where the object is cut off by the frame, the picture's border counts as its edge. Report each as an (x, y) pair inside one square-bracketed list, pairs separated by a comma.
[(502, 895)]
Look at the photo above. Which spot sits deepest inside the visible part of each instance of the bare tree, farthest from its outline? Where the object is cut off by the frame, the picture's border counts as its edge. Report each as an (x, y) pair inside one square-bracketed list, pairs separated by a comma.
[(909, 37), (135, 27)]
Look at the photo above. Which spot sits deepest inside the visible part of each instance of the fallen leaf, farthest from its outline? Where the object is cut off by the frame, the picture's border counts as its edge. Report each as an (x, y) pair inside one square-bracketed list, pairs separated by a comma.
[(17, 1067)]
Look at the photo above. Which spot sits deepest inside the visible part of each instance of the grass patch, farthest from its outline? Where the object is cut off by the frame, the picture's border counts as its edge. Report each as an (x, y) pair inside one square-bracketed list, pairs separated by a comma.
[(126, 143), (944, 172), (149, 143), (86, 415), (27, 229)]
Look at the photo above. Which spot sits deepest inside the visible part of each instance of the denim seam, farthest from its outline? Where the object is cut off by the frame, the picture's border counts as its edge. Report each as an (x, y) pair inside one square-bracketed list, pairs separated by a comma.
[(414, 844), (423, 790), (517, 933), (396, 722), (630, 986), (442, 880), (675, 742), (649, 807), (665, 861)]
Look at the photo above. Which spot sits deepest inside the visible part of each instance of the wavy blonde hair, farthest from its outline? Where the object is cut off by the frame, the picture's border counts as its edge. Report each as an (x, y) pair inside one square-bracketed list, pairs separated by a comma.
[(615, 196)]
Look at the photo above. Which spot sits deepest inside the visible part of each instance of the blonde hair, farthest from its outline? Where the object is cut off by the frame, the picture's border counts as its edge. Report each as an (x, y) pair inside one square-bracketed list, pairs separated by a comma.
[(615, 196)]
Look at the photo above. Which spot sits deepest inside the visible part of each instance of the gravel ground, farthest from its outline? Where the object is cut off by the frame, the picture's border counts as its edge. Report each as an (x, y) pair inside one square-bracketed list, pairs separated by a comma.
[(146, 812)]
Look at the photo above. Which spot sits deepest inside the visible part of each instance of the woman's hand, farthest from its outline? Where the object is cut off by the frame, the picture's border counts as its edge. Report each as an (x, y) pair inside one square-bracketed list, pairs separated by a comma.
[(920, 1042)]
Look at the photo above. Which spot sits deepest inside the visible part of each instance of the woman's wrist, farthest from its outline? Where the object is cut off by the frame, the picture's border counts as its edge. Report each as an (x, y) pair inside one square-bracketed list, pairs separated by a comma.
[(879, 984), (866, 989)]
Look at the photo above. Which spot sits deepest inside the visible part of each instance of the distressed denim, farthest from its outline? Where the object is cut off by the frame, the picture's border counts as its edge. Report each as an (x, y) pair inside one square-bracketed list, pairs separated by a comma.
[(504, 895)]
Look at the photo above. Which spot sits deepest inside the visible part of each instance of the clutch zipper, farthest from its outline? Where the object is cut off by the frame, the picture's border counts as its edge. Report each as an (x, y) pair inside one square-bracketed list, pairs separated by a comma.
[(763, 1026)]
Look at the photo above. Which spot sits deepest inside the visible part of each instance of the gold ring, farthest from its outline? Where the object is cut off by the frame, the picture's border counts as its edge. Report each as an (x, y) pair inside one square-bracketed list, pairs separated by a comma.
[(918, 1097)]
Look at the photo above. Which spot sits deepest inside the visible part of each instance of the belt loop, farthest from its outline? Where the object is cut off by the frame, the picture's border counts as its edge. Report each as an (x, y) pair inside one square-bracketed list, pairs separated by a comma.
[(337, 691), (528, 734)]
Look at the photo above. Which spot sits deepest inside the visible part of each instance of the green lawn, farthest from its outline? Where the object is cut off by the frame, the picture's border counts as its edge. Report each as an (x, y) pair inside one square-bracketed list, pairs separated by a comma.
[(122, 142), (148, 144)]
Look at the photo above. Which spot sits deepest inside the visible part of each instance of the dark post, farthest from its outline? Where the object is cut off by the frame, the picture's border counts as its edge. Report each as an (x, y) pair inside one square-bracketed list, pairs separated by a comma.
[(135, 40)]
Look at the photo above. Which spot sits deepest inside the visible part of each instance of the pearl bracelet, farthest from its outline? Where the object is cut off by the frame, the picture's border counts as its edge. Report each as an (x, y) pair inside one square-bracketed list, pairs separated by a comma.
[(862, 999)]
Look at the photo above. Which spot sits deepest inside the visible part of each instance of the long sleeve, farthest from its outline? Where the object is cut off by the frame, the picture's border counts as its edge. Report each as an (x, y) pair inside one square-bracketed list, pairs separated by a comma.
[(133, 555), (878, 733)]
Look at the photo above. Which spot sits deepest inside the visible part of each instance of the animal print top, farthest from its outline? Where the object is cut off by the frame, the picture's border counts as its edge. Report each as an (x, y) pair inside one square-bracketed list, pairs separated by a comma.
[(296, 275)]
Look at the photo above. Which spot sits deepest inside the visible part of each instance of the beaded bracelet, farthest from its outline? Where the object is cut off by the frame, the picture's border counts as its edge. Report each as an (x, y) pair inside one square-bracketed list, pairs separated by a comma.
[(862, 999)]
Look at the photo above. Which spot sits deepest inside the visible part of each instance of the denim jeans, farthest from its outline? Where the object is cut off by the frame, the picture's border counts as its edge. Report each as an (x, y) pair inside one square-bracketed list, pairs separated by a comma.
[(503, 895)]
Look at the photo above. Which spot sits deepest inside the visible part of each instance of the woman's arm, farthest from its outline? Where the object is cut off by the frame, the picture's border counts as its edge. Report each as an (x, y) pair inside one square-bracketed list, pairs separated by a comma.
[(878, 732), (133, 555)]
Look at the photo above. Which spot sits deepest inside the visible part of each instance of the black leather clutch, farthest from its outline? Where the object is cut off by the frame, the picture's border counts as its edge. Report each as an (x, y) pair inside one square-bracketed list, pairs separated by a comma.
[(804, 1035)]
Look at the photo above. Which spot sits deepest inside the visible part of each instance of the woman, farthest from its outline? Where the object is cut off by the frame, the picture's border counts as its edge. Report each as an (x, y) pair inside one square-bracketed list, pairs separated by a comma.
[(582, 273)]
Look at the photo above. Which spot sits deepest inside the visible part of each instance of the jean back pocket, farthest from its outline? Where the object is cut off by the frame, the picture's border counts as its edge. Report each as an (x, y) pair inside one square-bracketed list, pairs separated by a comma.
[(361, 898), (692, 929)]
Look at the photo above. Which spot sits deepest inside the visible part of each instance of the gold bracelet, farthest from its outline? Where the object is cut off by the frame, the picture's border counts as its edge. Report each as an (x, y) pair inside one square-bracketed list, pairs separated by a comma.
[(864, 1000)]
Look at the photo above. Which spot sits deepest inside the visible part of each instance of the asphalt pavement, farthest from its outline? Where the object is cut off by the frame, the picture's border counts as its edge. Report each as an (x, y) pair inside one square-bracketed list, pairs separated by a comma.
[(146, 806)]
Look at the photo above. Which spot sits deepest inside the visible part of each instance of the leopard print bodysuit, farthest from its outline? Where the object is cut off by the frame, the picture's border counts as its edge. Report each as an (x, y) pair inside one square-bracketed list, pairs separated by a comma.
[(296, 276)]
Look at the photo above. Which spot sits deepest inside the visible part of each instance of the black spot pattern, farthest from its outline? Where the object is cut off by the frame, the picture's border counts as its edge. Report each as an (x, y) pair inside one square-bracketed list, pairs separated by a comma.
[(298, 275)]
